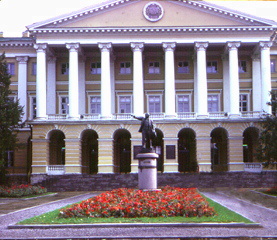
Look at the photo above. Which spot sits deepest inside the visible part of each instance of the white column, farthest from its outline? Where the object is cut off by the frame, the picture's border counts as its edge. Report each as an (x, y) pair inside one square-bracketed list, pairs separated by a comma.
[(73, 88), (265, 75), (233, 79), (22, 84), (170, 108), (201, 81), (41, 80), (138, 88), (105, 80), (51, 86), (82, 85), (226, 92), (256, 83)]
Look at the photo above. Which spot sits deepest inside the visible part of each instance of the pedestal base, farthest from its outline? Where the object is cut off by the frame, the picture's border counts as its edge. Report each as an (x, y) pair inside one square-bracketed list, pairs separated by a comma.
[(147, 174)]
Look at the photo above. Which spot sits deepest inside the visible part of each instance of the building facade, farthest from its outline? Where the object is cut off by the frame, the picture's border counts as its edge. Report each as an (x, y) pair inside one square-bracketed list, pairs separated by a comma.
[(203, 72)]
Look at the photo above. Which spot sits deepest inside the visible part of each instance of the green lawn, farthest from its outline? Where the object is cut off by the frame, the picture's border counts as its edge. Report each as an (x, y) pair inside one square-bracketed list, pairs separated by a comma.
[(224, 215)]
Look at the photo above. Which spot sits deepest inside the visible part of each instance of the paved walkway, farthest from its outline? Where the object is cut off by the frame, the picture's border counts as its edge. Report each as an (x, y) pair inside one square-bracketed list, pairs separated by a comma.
[(266, 217)]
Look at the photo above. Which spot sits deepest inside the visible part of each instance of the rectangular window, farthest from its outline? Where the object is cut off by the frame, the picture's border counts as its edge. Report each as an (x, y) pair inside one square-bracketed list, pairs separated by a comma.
[(243, 103), (34, 107), (183, 103), (65, 68), (273, 65), (125, 104), (154, 68), (212, 67), (34, 68), (154, 104), (95, 68), (64, 105), (125, 68), (95, 104), (213, 103), (242, 66), (9, 158), (183, 67), (11, 68)]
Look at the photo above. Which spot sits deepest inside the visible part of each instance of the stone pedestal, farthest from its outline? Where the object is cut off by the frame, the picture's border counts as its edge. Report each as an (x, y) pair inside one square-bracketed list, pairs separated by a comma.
[(147, 174)]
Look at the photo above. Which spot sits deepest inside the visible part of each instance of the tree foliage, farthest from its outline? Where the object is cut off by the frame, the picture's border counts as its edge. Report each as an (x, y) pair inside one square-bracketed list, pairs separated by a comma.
[(267, 151), (10, 115)]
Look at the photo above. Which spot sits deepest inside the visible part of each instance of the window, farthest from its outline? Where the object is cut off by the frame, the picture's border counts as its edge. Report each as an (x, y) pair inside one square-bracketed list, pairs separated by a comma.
[(34, 68), (125, 104), (95, 68), (11, 68), (213, 103), (243, 102), (9, 158), (65, 68), (212, 67), (125, 68), (242, 66), (154, 104), (154, 68), (95, 104), (64, 105), (183, 103), (273, 65), (183, 67), (34, 107)]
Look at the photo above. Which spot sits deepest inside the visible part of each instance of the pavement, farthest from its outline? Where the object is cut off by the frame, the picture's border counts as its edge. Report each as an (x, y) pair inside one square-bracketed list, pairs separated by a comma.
[(267, 219)]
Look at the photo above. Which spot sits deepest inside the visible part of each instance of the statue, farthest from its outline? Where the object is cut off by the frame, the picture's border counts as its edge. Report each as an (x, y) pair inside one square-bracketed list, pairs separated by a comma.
[(147, 129)]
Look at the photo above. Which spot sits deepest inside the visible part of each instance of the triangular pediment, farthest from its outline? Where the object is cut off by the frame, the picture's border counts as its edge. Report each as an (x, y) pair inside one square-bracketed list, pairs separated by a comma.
[(132, 14)]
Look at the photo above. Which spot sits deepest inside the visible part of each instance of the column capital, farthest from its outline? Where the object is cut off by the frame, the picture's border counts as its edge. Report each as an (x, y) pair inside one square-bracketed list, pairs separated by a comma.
[(201, 46), (73, 46), (40, 47), (22, 59), (169, 46), (105, 47), (265, 45), (137, 46), (233, 45)]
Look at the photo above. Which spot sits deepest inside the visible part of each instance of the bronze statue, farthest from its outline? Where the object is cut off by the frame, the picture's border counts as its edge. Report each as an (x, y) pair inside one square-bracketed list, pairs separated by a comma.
[(147, 129)]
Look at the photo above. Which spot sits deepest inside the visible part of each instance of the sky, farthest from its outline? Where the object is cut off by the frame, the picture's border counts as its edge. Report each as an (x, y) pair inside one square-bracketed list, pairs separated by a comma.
[(15, 15)]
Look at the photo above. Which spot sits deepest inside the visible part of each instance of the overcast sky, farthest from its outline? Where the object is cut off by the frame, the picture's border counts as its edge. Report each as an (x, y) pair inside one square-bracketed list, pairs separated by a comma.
[(15, 15)]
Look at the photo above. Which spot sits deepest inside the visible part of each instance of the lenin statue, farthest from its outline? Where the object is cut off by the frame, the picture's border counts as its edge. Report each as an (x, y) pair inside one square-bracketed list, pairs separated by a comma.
[(147, 129)]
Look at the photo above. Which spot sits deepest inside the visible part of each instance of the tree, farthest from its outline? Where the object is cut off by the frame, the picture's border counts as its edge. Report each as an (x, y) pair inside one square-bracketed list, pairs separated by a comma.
[(267, 150), (10, 117)]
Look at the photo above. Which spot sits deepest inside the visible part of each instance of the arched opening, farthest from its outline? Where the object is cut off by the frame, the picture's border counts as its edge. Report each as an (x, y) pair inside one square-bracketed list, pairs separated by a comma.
[(158, 144), (219, 150), (90, 152), (57, 148), (122, 151), (250, 144), (187, 151)]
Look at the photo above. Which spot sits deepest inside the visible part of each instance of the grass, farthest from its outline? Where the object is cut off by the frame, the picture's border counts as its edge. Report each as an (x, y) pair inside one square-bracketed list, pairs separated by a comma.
[(224, 215)]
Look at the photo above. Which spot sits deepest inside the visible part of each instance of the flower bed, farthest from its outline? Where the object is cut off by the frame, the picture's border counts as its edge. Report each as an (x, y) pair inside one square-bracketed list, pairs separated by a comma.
[(130, 203), (21, 190)]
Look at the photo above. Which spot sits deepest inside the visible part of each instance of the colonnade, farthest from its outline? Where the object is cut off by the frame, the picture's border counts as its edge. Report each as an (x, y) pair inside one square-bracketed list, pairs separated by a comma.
[(230, 79)]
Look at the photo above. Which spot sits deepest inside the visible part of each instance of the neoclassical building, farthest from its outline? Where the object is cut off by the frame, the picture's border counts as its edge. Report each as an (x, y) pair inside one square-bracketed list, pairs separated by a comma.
[(203, 72)]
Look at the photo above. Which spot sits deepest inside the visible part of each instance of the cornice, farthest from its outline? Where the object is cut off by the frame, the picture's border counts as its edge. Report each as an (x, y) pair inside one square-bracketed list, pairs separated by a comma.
[(152, 30)]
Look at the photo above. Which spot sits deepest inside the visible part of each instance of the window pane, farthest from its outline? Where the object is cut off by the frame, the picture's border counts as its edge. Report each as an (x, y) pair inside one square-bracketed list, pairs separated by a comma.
[(154, 104), (95, 104), (183, 103), (213, 103)]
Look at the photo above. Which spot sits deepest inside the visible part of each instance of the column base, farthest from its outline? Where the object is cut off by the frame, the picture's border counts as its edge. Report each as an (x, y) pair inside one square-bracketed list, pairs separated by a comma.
[(234, 115), (202, 116)]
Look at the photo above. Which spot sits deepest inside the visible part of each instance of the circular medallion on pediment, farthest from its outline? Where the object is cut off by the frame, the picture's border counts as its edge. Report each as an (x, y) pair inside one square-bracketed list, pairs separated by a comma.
[(153, 11)]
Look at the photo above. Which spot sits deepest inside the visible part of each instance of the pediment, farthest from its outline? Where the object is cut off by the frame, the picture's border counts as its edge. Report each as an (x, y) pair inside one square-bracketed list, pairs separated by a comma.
[(130, 14)]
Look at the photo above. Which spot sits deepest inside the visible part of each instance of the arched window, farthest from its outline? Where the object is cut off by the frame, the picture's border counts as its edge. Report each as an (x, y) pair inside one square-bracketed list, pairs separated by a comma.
[(187, 151), (250, 144), (89, 152), (219, 149), (57, 148)]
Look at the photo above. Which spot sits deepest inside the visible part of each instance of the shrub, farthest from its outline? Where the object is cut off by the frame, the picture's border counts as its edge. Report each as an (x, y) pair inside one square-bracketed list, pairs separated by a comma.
[(130, 203), (21, 190)]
